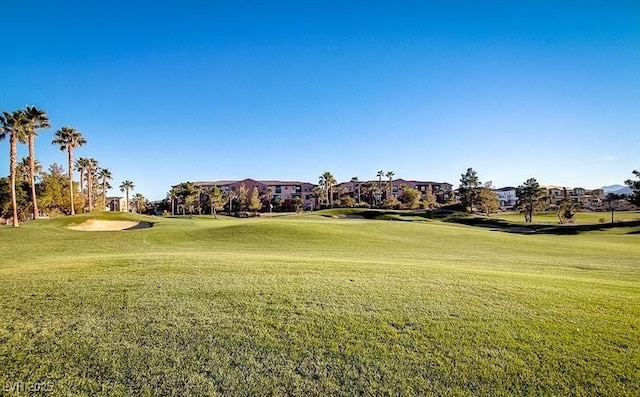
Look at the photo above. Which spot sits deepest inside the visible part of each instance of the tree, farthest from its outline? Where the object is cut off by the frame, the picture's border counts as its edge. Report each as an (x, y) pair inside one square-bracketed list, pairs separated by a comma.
[(68, 138), (126, 187), (356, 184), (390, 175), (410, 197), (216, 200), (81, 165), (13, 125), (429, 199), (91, 167), (105, 177), (254, 203), (379, 174), (612, 200), (242, 196), (22, 170), (567, 210), (488, 200), (36, 119), (326, 182), (635, 187), (140, 203), (469, 189), (530, 195)]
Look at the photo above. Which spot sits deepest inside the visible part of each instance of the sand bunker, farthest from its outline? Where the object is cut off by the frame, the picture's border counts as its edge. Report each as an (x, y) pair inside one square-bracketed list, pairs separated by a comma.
[(94, 225)]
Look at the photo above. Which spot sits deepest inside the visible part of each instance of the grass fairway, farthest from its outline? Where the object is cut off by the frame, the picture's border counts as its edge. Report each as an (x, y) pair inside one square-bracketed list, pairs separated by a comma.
[(315, 306)]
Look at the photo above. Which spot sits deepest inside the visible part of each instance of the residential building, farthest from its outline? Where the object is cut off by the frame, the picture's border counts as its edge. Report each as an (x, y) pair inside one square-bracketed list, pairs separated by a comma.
[(269, 190), (116, 204), (589, 199), (441, 190), (507, 196)]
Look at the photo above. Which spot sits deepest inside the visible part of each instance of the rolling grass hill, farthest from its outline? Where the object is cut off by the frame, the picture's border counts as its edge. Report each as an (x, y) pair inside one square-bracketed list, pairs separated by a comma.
[(316, 305)]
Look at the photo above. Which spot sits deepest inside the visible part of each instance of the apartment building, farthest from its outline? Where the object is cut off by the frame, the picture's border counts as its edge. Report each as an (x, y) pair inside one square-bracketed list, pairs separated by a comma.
[(441, 190), (507, 196), (588, 198), (276, 190)]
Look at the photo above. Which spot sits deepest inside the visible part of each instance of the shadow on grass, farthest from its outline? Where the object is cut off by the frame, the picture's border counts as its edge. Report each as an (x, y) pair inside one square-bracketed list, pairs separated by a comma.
[(500, 225), (141, 225)]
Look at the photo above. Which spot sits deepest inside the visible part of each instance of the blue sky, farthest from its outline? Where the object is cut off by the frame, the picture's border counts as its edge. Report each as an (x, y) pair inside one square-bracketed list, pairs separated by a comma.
[(166, 91)]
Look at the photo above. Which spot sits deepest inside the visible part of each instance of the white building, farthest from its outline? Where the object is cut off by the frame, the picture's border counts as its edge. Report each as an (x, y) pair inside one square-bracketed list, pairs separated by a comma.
[(507, 197)]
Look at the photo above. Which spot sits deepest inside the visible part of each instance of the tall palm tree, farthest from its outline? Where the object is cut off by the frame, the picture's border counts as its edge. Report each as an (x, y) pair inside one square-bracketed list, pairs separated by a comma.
[(139, 201), (68, 138), (126, 186), (390, 175), (356, 183), (379, 174), (92, 166), (36, 119), (105, 176), (327, 181), (81, 165), (13, 125)]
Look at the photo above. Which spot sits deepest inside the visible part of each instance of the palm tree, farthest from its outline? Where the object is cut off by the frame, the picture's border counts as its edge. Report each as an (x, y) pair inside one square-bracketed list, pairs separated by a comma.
[(327, 181), (139, 199), (68, 138), (81, 165), (380, 174), (105, 176), (36, 119), (22, 170), (14, 125), (390, 175), (92, 166), (356, 183), (126, 186)]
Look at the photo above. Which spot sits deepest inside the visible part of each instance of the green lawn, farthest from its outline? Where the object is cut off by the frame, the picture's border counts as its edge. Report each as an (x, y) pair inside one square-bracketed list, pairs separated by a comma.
[(315, 306)]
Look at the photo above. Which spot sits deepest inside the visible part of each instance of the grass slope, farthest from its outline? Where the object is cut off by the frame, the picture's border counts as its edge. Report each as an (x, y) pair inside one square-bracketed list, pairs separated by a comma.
[(310, 305)]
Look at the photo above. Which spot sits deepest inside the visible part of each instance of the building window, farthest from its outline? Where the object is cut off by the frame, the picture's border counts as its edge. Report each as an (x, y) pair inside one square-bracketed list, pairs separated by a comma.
[(278, 189)]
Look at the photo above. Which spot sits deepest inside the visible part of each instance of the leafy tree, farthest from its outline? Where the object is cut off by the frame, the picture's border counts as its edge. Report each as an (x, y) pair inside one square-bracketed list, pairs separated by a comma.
[(469, 189), (36, 119), (429, 199), (530, 196), (13, 125), (243, 197), (567, 210), (68, 138), (7, 192), (612, 200), (391, 203), (216, 200), (488, 201), (410, 197), (126, 187), (255, 204), (635, 187)]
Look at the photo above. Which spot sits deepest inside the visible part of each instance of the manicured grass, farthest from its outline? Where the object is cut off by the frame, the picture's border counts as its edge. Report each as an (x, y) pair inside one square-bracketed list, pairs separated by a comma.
[(312, 305)]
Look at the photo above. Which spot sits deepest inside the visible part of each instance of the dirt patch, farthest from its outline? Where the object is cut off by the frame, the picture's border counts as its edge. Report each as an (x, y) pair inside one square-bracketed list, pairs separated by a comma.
[(95, 225)]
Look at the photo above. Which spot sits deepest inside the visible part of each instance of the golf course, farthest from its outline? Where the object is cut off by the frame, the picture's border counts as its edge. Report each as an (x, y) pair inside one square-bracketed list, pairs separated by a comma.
[(320, 304)]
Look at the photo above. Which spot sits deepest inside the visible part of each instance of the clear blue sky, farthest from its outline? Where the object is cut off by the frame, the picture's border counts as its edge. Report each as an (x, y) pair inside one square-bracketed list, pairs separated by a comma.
[(173, 91)]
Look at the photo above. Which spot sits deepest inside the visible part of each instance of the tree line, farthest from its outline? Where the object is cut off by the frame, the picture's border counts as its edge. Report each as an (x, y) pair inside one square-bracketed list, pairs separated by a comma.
[(29, 191), (532, 197)]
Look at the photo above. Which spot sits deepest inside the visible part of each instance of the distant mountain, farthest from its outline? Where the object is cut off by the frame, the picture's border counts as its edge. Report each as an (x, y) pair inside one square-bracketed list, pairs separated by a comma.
[(617, 189)]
